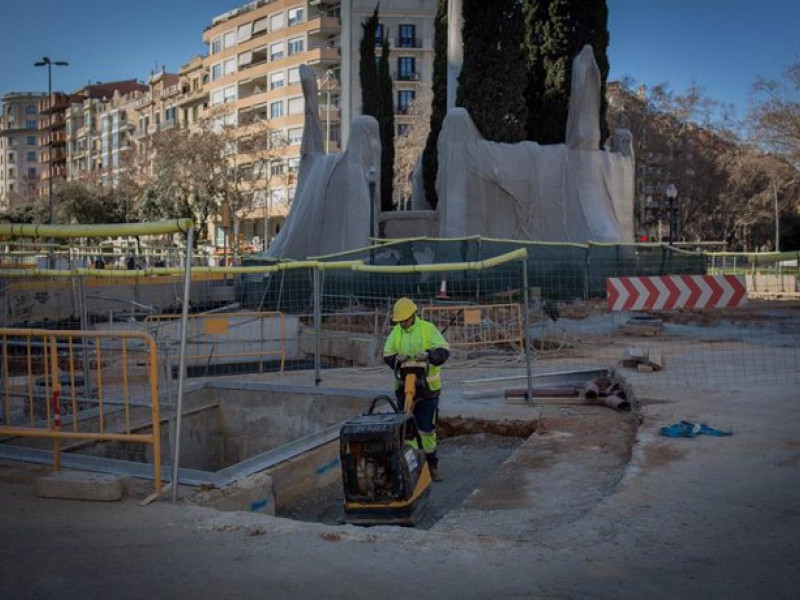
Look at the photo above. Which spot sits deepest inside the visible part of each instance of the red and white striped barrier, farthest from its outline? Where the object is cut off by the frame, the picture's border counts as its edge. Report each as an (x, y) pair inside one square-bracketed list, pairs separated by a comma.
[(675, 291)]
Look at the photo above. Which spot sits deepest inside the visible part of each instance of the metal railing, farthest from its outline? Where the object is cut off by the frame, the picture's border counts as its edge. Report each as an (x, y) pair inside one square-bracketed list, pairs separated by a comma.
[(88, 386)]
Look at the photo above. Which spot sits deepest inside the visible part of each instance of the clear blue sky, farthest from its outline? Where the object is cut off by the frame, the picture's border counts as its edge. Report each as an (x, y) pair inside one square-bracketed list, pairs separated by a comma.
[(723, 45)]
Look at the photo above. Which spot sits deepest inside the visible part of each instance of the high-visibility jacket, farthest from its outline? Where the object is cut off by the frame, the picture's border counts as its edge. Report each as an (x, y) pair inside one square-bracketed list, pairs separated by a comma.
[(422, 336)]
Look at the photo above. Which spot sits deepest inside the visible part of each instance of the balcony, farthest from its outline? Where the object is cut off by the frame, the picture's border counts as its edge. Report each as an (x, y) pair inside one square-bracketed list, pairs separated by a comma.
[(406, 76), (191, 97), (408, 44), (251, 87), (322, 55), (322, 25)]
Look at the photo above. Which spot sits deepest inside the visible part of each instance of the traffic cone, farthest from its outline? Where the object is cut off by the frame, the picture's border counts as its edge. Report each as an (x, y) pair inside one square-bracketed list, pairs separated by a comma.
[(443, 288)]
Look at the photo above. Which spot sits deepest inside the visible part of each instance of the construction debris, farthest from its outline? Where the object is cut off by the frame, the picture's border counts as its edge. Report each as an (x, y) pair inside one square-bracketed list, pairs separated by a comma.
[(642, 360), (601, 390), (644, 326)]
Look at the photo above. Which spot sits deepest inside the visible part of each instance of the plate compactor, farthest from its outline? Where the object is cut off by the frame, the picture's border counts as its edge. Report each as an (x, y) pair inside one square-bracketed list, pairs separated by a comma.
[(386, 480)]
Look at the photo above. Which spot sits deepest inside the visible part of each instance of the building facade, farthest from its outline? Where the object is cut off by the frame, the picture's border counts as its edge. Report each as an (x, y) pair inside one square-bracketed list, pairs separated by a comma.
[(19, 148)]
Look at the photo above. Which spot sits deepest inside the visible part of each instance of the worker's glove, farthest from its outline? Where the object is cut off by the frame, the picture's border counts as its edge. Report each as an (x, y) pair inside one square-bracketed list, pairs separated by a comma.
[(400, 359), (422, 356)]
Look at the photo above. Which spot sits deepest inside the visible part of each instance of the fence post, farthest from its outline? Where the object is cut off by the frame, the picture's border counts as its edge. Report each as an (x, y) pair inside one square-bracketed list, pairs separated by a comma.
[(187, 278), (526, 299), (317, 326)]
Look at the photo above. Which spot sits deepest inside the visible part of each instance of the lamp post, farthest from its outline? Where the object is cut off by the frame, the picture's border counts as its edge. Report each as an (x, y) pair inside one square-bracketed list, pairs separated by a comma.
[(46, 62), (372, 177), (328, 81), (672, 193)]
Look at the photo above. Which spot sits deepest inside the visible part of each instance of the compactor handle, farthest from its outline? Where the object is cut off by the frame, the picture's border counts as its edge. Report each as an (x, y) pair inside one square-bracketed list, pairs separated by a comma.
[(384, 398)]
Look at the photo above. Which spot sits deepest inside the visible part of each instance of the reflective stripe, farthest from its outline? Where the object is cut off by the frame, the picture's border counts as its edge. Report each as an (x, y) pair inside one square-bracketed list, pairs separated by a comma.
[(428, 442)]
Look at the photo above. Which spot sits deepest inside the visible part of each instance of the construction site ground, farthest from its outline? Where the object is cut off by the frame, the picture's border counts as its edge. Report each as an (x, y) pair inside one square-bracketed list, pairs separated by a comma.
[(573, 500)]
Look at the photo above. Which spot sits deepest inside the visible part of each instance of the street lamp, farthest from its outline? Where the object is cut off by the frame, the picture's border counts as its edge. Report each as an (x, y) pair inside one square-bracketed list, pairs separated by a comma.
[(372, 178), (672, 193), (46, 62), (329, 81)]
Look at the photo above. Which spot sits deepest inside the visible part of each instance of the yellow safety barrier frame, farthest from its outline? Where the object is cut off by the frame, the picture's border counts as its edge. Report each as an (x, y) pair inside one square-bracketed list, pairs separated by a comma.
[(475, 325), (114, 370)]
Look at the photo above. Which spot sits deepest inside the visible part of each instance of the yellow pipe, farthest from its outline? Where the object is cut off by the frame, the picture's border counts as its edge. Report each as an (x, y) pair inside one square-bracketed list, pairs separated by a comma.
[(95, 231), (152, 358)]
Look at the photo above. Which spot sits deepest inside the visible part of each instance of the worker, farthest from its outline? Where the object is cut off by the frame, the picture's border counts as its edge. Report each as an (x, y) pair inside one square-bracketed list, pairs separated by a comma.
[(413, 338)]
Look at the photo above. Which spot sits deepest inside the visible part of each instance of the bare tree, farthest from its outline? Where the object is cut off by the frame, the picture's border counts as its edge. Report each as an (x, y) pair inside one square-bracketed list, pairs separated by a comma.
[(776, 115), (215, 170), (408, 148)]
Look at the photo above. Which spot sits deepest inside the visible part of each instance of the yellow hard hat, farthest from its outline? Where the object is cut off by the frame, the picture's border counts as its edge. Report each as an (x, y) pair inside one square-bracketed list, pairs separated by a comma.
[(403, 309)]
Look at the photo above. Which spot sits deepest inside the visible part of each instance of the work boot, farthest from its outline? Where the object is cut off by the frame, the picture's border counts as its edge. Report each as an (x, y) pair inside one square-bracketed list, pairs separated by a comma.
[(435, 473)]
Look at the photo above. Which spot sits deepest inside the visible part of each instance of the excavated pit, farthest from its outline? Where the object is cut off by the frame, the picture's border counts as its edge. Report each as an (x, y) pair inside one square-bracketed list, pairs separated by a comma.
[(470, 451)]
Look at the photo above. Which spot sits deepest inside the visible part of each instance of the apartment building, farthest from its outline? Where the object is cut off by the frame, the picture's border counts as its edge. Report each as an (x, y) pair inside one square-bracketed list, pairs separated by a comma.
[(254, 54), (19, 147), (100, 122)]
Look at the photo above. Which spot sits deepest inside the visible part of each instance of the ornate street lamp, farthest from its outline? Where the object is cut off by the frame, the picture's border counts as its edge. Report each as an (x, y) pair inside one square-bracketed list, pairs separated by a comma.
[(671, 193)]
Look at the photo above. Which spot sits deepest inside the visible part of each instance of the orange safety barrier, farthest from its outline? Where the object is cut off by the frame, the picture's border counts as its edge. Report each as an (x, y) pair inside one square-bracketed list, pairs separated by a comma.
[(477, 325), (87, 386)]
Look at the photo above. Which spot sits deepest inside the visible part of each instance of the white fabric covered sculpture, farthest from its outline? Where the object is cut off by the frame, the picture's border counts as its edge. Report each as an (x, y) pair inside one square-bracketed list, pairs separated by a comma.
[(571, 192), (330, 210)]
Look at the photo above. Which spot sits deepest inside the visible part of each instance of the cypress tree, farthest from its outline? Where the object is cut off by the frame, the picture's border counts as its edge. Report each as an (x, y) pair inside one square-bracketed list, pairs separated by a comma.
[(489, 83), (366, 66), (430, 156), (385, 118), (555, 32)]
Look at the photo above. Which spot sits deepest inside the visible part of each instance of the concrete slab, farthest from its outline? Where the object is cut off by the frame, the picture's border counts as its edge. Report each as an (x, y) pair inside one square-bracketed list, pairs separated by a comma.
[(78, 485)]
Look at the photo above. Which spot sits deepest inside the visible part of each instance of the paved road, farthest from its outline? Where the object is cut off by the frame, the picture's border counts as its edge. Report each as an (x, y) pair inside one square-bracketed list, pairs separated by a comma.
[(709, 517)]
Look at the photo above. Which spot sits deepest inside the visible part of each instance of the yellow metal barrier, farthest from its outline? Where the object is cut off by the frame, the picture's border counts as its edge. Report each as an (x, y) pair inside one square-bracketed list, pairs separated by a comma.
[(226, 338), (90, 386), (471, 326)]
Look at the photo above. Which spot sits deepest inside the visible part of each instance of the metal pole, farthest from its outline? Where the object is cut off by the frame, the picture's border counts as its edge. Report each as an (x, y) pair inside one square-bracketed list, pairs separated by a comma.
[(525, 326), (317, 326), (187, 278), (671, 220), (50, 144), (777, 216), (328, 120)]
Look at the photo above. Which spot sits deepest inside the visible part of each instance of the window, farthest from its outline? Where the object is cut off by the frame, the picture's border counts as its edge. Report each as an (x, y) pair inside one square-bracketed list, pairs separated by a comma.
[(11, 157), (295, 16), (230, 39), (30, 124), (295, 136), (276, 110), (277, 21), (402, 129), (408, 36), (245, 58), (216, 71), (260, 25), (244, 32), (276, 168), (294, 75), (30, 109), (379, 34), (31, 156), (406, 68), (229, 66), (404, 98), (276, 80), (296, 106), (293, 164), (296, 46), (230, 93), (31, 172), (31, 140), (216, 45), (217, 97), (276, 51)]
